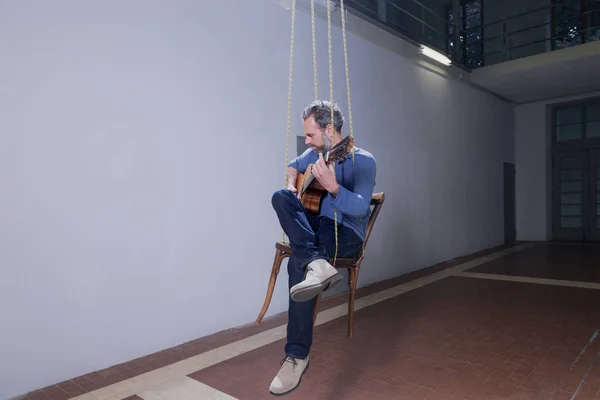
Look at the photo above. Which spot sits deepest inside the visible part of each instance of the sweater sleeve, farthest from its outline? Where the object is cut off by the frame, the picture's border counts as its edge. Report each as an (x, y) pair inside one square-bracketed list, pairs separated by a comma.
[(302, 161), (357, 202)]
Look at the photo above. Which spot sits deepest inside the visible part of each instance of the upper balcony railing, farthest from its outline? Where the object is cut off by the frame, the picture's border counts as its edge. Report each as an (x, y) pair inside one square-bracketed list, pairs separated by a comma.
[(564, 23), (411, 19), (472, 42)]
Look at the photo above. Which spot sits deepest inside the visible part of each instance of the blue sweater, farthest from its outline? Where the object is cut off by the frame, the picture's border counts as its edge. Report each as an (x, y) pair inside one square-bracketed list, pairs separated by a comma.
[(356, 180)]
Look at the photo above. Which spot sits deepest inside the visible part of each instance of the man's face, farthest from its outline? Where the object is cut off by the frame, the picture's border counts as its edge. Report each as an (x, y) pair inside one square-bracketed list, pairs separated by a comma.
[(316, 137)]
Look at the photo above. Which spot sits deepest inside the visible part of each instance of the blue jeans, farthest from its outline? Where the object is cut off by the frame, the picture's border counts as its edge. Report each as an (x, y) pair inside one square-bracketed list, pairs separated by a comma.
[(311, 237)]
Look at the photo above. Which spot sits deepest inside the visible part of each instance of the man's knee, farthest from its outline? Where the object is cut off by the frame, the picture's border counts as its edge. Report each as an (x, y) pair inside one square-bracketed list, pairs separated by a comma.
[(280, 197)]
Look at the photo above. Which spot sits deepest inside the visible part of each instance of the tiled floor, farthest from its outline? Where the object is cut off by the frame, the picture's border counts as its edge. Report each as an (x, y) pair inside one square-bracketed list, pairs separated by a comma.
[(558, 261), (439, 334), (491, 339)]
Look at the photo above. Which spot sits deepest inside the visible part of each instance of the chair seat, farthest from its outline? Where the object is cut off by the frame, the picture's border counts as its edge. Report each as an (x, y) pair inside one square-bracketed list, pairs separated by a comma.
[(339, 263)]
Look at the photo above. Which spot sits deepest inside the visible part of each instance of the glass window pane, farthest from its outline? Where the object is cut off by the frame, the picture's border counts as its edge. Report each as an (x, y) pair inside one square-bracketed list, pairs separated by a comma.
[(570, 175), (472, 9), (592, 113), (570, 222), (568, 132), (570, 162), (568, 116), (570, 198), (592, 129), (571, 185), (566, 187), (566, 211)]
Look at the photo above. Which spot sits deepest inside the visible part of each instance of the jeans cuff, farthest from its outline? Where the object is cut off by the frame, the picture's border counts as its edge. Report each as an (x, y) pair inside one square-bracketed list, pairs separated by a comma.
[(313, 258), (296, 357)]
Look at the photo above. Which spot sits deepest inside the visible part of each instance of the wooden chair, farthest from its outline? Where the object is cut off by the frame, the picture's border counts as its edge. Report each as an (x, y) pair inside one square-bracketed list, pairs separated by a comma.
[(283, 250)]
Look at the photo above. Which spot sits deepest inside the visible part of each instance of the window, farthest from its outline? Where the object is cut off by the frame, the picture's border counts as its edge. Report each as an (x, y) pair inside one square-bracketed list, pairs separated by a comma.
[(569, 124), (576, 170), (367, 7), (571, 192), (577, 122), (574, 22), (592, 19), (471, 32), (592, 121)]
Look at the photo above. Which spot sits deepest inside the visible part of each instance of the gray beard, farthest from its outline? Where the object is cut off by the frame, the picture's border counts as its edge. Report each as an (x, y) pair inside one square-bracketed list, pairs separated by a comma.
[(327, 146)]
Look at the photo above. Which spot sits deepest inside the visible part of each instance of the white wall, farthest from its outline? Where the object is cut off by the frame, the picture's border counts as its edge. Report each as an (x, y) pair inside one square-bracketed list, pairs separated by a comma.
[(533, 165), (119, 238), (532, 158)]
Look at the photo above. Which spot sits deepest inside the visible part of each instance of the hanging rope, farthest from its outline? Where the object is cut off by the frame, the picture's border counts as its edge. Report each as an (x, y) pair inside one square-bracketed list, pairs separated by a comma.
[(344, 14), (332, 114), (316, 87), (314, 43), (289, 100)]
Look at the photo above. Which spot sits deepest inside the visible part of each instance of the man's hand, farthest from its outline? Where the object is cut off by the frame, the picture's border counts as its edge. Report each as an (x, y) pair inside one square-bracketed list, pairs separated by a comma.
[(292, 175), (326, 176), (292, 189)]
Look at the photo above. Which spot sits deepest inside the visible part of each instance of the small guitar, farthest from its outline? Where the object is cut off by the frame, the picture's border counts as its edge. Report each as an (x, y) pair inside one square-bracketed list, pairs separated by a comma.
[(310, 191)]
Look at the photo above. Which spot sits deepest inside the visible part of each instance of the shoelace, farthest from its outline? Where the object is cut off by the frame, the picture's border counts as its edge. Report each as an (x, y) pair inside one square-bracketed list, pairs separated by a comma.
[(290, 360)]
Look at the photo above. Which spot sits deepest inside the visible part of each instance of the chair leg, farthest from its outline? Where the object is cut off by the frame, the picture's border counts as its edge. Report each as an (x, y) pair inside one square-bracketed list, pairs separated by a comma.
[(352, 278), (279, 257), (316, 310)]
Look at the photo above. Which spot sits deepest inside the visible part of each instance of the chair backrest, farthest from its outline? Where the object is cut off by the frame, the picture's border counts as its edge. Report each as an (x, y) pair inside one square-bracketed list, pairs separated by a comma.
[(377, 201)]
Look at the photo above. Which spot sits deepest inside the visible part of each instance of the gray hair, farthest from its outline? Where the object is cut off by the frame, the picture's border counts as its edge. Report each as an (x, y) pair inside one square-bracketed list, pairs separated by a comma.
[(320, 110)]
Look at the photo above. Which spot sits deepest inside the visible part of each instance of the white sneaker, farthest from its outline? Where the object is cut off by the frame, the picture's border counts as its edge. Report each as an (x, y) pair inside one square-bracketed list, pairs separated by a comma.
[(289, 375), (320, 275)]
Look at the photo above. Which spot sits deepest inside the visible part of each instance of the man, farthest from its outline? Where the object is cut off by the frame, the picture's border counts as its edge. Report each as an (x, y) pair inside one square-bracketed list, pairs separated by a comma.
[(349, 184)]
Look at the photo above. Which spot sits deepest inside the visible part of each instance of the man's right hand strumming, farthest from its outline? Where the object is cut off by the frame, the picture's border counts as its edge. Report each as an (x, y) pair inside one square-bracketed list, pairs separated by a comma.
[(292, 189), (292, 175)]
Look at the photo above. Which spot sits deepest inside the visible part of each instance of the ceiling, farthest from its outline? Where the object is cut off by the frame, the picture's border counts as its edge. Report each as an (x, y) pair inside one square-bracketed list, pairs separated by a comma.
[(566, 72)]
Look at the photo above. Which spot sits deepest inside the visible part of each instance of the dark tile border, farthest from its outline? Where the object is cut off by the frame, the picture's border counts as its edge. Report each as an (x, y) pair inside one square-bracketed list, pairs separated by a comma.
[(121, 372)]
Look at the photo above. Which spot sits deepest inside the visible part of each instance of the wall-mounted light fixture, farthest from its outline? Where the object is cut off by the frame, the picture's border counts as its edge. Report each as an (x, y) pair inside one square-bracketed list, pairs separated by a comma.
[(437, 56)]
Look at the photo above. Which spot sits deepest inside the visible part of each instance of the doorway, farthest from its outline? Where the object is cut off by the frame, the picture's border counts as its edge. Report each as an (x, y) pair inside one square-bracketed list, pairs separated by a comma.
[(576, 196), (576, 172), (510, 215)]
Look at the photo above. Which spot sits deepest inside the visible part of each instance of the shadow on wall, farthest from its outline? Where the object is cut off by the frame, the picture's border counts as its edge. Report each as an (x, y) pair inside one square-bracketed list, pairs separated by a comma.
[(396, 245), (388, 255)]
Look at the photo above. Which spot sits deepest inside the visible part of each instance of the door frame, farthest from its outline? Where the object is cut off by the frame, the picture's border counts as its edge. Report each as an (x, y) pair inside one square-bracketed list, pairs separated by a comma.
[(588, 146), (593, 230), (570, 234), (510, 202)]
